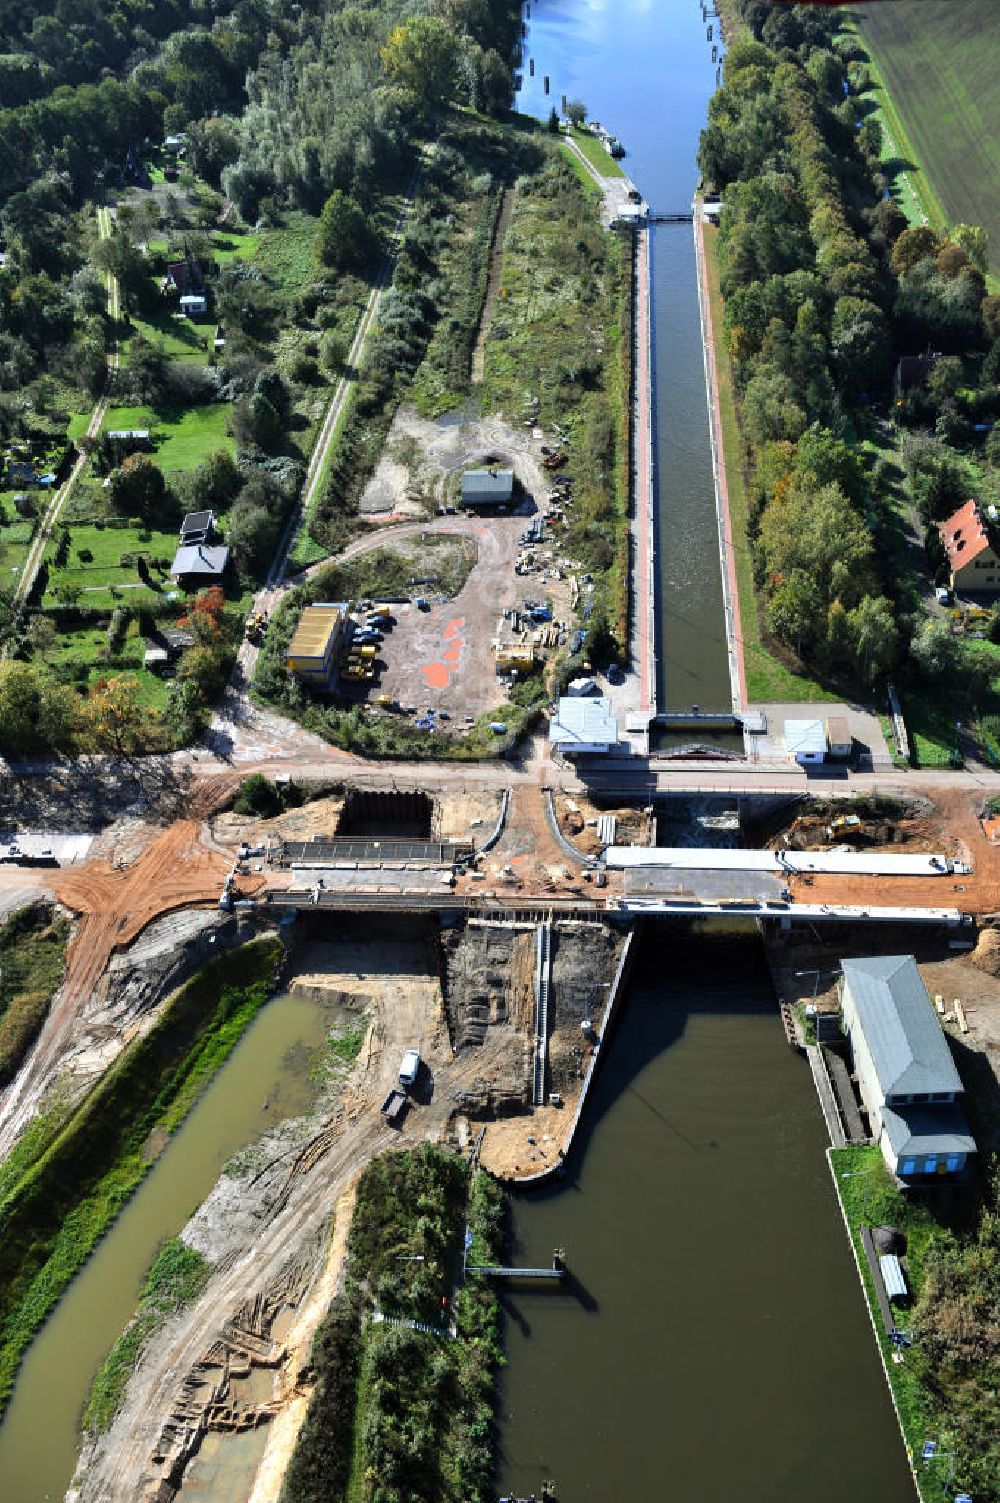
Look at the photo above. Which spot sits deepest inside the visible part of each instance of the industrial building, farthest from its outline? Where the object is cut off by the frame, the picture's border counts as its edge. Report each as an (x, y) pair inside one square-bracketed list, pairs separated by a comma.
[(487, 489), (805, 740), (312, 651), (906, 1075)]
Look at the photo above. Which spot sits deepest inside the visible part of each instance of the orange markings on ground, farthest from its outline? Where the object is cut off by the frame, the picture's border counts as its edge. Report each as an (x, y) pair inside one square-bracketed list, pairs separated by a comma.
[(436, 675)]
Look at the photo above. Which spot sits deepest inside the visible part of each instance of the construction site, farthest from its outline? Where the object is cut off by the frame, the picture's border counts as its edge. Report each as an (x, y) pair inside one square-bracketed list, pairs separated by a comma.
[(492, 929)]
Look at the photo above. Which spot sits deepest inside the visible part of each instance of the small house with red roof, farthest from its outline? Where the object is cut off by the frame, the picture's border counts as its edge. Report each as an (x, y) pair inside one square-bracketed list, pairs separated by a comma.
[(973, 549)]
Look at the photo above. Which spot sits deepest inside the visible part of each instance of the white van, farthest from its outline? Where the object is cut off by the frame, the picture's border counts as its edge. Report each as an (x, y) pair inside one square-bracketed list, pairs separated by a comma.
[(409, 1069)]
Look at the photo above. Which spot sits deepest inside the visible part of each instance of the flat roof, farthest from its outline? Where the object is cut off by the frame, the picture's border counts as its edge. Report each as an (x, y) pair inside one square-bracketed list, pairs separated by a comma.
[(487, 485), (805, 736), (312, 635), (892, 1276), (838, 729), (584, 721), (197, 521)]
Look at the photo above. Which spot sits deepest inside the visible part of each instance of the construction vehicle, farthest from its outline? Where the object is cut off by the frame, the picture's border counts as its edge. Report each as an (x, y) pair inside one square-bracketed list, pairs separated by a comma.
[(256, 625), (842, 822)]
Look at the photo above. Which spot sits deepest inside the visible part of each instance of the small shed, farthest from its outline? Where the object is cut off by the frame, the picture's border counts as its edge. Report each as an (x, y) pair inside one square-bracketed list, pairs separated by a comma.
[(805, 740), (199, 565), (893, 1276), (194, 304), (838, 735), (487, 489)]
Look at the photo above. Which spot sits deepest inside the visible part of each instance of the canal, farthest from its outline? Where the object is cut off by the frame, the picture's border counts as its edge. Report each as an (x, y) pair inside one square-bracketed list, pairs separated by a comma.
[(715, 1342), (267, 1079), (645, 71)]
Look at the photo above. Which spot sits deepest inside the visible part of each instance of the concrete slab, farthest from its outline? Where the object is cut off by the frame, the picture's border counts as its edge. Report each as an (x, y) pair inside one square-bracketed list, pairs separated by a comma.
[(870, 746)]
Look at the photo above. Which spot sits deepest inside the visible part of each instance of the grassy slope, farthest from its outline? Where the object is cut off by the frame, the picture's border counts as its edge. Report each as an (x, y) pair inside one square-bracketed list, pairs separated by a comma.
[(768, 679), (32, 957), (939, 60)]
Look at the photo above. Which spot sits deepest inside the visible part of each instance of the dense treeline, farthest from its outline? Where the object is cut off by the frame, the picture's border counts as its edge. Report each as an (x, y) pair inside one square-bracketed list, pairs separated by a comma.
[(399, 1415), (825, 288)]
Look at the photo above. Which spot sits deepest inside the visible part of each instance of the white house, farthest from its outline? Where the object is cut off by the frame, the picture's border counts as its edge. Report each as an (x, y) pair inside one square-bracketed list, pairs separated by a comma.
[(805, 740), (584, 727), (907, 1077)]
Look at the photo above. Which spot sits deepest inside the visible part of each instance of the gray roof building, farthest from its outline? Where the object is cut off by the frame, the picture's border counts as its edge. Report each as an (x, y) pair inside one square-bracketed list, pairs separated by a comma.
[(915, 1131), (487, 487), (904, 1038), (199, 562), (197, 527)]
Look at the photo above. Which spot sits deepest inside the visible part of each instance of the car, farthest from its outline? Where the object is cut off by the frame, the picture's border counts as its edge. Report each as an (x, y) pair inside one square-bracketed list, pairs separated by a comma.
[(942, 595), (409, 1067), (615, 675)]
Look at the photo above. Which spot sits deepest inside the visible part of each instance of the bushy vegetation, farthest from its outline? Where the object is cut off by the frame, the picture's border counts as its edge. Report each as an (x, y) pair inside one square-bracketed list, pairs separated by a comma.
[(400, 1414), (825, 289), (32, 958), (945, 1385), (175, 1276), (66, 1198)]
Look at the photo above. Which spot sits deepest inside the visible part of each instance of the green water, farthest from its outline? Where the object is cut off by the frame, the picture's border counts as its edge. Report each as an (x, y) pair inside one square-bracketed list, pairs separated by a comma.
[(39, 1437)]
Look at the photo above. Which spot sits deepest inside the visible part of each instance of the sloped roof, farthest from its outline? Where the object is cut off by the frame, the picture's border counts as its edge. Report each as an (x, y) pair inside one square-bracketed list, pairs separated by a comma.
[(211, 562), (940, 1128), (908, 1049), (964, 535), (487, 485), (805, 736)]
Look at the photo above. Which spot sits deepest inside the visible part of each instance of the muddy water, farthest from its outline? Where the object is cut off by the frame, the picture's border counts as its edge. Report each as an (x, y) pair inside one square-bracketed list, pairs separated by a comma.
[(714, 1342), (40, 1432), (644, 69)]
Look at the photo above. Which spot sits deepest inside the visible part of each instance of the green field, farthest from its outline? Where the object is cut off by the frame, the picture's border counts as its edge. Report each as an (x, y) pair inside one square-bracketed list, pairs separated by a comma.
[(939, 60), (183, 436), (104, 570)]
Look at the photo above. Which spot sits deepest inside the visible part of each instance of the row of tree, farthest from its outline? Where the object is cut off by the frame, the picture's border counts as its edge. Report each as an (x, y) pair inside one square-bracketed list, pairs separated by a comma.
[(824, 289)]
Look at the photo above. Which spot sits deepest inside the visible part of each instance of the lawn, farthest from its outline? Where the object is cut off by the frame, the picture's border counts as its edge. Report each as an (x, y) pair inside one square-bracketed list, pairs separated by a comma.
[(602, 161), (183, 436), (176, 336), (939, 65), (15, 537), (288, 254), (768, 679), (104, 571)]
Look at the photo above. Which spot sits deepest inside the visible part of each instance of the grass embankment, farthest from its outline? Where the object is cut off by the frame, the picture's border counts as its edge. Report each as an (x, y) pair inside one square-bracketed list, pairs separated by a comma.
[(398, 1413), (601, 160), (32, 958), (768, 679), (559, 351), (945, 1386), (65, 1199), (941, 95), (175, 1276)]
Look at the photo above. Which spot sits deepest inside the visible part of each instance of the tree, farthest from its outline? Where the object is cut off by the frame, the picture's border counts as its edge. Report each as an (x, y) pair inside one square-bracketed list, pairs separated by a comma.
[(422, 56), (794, 611), (252, 535), (989, 309), (935, 650), (875, 637), (860, 343), (258, 796), (217, 479), (576, 112), (818, 531), (829, 460), (115, 715), (333, 351), (553, 123), (146, 369), (913, 246), (138, 488), (345, 238), (975, 242), (41, 635), (35, 710)]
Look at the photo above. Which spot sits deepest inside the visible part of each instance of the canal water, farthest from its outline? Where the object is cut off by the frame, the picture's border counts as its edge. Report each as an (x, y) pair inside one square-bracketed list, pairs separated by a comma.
[(39, 1436), (713, 1343), (643, 68)]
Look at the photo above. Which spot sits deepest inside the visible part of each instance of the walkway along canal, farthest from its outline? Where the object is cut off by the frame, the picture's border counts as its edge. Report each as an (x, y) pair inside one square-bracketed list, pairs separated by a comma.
[(265, 1081)]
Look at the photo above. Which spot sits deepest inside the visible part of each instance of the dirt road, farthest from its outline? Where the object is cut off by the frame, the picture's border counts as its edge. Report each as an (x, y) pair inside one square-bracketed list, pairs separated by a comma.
[(176, 870)]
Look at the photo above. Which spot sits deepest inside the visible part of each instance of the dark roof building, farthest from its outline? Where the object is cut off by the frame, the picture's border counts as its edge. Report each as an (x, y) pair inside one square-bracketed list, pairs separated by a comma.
[(197, 527), (487, 487)]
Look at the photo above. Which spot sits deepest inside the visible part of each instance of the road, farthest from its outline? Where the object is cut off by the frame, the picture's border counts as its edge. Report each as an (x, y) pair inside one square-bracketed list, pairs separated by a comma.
[(39, 542)]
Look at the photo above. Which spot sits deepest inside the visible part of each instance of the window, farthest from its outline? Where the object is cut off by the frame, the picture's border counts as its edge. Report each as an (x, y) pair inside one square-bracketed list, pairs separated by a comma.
[(930, 1164), (953, 1163), (908, 1166), (899, 1100), (940, 1095)]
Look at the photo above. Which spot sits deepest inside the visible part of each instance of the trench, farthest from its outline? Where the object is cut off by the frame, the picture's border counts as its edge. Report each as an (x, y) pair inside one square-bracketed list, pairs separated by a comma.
[(712, 1341), (266, 1080)]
